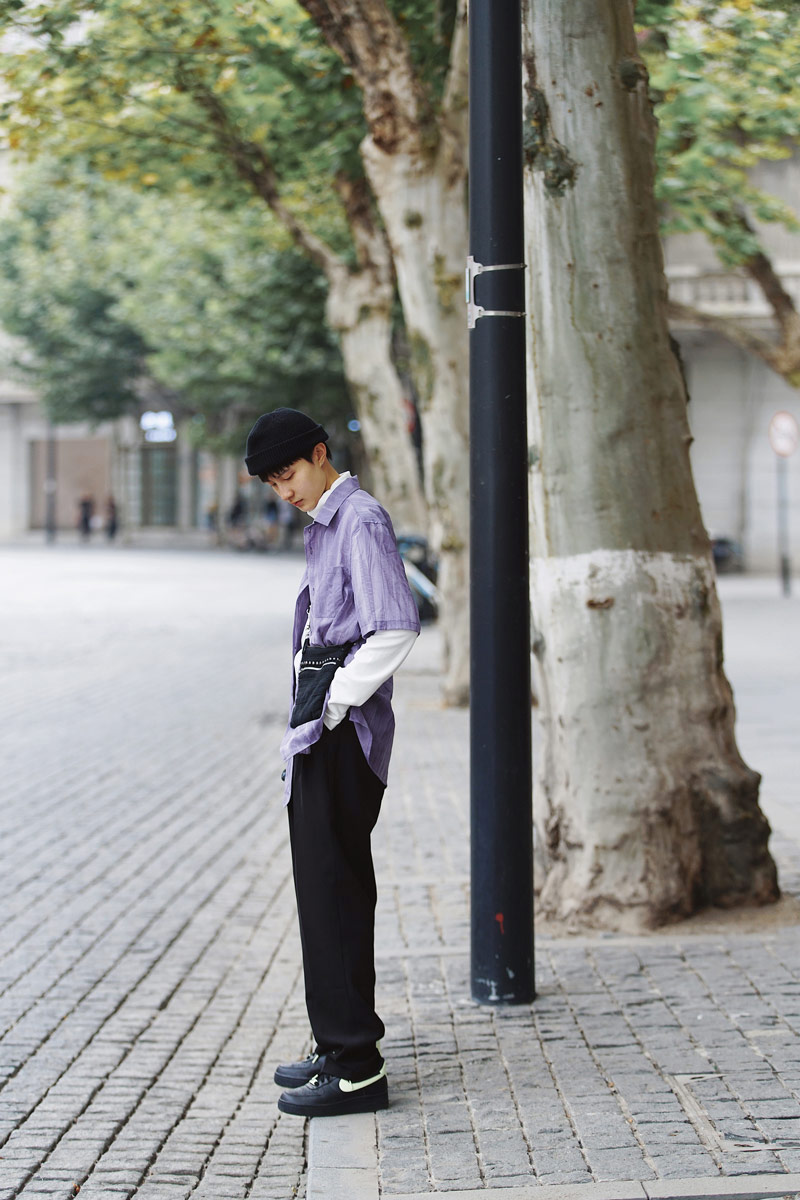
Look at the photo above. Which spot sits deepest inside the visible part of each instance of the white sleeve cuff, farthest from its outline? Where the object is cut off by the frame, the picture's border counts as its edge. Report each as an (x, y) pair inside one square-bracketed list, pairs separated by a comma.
[(371, 665)]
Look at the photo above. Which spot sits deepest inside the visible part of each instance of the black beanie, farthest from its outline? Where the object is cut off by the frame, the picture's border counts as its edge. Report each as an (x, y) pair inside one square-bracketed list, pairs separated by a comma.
[(279, 438)]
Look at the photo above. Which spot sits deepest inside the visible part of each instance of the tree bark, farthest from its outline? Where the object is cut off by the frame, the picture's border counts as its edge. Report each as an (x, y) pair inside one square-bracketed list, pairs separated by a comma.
[(415, 160), (644, 809)]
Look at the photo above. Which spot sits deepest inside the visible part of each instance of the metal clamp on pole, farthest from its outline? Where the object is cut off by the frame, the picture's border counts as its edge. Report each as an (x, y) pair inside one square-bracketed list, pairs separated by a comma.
[(476, 311)]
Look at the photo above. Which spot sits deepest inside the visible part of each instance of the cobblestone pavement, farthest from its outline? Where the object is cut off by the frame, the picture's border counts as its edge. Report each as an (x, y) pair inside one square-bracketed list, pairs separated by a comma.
[(149, 961), (149, 965), (670, 1056)]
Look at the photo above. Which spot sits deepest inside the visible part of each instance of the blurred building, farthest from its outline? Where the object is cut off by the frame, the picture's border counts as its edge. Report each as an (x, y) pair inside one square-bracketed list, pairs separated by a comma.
[(160, 483)]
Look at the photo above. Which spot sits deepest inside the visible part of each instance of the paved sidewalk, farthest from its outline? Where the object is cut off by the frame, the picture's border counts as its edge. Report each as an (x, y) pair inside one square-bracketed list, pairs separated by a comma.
[(671, 1061), (149, 963)]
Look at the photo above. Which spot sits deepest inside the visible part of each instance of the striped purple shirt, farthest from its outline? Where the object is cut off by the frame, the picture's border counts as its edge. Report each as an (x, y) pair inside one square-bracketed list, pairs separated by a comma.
[(355, 584)]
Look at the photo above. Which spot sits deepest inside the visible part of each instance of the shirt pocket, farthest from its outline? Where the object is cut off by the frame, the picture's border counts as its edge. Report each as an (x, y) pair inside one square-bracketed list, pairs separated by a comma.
[(332, 597)]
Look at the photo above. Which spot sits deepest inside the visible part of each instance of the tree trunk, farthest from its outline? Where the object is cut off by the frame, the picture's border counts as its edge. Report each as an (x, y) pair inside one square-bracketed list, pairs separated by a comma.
[(359, 309), (419, 184), (644, 809), (422, 202), (415, 160)]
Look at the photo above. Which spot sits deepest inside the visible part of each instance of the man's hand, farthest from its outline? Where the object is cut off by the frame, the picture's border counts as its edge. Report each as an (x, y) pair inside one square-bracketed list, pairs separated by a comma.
[(334, 714)]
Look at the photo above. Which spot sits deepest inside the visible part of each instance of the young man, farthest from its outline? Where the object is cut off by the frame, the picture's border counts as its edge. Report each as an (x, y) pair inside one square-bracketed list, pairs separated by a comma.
[(355, 622)]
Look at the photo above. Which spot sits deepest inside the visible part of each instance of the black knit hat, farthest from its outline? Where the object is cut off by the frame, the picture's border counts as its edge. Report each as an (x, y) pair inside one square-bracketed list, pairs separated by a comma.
[(279, 438)]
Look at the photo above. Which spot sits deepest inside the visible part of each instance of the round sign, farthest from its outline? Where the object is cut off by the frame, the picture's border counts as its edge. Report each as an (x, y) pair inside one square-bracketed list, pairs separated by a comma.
[(784, 434)]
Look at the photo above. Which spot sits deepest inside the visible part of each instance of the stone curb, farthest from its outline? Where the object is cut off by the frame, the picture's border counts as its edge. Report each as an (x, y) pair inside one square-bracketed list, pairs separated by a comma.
[(673, 1189), (343, 1158), (754, 1187), (343, 1165)]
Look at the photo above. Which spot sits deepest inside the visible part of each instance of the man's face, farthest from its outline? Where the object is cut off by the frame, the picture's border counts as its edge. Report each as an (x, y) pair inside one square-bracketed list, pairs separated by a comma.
[(302, 483)]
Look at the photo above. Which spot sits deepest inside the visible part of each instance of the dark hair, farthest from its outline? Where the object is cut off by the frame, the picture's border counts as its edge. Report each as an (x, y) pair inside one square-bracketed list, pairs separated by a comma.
[(308, 456)]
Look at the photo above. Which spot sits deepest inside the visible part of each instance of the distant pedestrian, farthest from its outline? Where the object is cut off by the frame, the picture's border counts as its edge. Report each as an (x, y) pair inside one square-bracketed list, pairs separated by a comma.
[(238, 511), (111, 518), (355, 622), (270, 511), (85, 515)]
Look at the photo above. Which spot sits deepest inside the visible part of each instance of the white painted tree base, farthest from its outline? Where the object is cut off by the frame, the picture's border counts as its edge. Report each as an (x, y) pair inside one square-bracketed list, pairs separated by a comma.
[(640, 783)]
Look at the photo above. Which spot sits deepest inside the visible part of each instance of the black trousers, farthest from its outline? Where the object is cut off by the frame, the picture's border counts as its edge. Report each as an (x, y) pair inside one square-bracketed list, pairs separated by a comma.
[(336, 799)]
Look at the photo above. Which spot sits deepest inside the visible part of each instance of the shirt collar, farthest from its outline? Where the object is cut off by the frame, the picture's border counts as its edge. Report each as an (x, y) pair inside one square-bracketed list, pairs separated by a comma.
[(324, 512), (315, 511)]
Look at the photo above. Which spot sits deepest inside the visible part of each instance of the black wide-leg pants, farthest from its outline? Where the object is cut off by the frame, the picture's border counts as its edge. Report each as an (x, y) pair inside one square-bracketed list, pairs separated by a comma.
[(336, 799)]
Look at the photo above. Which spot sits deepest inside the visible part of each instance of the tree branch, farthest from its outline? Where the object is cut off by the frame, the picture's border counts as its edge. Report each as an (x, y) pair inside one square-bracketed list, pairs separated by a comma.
[(367, 38), (783, 355), (127, 131), (254, 166), (369, 238), (454, 123), (760, 269), (731, 330), (164, 114)]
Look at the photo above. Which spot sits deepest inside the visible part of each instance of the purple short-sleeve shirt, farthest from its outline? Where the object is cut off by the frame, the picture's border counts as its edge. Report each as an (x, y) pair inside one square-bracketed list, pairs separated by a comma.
[(354, 584)]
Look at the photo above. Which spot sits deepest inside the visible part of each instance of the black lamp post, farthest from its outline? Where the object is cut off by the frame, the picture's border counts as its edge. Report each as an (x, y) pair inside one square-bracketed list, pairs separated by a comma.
[(501, 784)]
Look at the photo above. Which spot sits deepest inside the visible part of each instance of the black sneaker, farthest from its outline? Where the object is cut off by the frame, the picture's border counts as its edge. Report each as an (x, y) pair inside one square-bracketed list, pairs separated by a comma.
[(329, 1096), (294, 1075)]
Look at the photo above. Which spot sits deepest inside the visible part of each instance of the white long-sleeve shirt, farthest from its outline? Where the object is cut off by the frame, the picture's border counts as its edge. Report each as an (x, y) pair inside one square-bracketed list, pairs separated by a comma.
[(372, 664)]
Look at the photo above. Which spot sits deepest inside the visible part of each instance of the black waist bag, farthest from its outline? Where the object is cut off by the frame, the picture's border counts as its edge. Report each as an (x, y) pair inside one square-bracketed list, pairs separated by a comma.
[(318, 664)]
